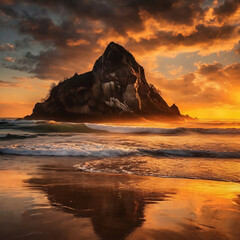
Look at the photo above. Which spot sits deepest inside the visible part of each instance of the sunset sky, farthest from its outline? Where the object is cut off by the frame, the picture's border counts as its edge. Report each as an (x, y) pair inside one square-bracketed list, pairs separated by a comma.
[(190, 49)]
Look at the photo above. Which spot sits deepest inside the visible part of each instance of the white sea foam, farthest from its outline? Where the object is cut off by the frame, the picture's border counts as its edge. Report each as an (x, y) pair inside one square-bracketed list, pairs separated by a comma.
[(22, 121), (173, 168), (66, 149), (89, 149)]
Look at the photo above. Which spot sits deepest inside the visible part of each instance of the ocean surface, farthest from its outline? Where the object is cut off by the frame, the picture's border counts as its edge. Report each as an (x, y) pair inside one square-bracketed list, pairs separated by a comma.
[(207, 150)]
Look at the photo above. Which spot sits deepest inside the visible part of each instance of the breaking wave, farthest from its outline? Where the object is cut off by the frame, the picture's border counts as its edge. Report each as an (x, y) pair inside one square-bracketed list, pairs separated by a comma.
[(66, 149), (15, 136), (155, 130), (173, 169), (41, 126), (104, 150)]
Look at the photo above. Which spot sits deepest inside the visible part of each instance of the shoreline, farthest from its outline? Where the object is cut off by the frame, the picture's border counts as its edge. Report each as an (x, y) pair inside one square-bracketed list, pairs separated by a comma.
[(111, 206)]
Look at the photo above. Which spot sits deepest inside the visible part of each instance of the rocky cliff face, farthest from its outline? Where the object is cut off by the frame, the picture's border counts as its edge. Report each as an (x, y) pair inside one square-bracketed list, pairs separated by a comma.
[(115, 88)]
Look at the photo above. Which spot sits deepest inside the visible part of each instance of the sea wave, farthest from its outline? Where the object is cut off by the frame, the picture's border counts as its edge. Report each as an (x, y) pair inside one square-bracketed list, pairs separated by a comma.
[(191, 153), (9, 136), (145, 168), (21, 121), (104, 150), (46, 126), (43, 126), (66, 149), (155, 130)]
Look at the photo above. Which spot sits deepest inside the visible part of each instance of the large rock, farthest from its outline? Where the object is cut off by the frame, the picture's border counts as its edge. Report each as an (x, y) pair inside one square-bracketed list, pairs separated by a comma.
[(116, 88)]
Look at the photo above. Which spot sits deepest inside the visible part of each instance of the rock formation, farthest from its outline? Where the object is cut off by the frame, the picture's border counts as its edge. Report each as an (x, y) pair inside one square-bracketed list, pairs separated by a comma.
[(116, 88)]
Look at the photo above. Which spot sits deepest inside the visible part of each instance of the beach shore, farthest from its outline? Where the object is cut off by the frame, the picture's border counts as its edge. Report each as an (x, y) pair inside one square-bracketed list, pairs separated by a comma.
[(46, 198)]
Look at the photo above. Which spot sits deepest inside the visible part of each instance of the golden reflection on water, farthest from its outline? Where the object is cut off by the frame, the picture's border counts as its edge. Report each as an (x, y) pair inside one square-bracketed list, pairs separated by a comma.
[(200, 210), (57, 202), (11, 179), (204, 123)]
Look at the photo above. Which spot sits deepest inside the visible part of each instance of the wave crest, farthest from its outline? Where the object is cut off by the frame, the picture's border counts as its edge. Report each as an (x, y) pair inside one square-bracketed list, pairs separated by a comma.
[(155, 130), (104, 150)]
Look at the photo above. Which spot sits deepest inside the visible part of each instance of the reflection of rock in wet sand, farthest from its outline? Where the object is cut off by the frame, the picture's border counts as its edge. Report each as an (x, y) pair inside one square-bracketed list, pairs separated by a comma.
[(113, 214), (115, 211)]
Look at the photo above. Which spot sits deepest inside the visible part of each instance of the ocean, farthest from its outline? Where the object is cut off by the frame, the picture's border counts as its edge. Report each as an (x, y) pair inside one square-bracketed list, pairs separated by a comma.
[(119, 181), (199, 150)]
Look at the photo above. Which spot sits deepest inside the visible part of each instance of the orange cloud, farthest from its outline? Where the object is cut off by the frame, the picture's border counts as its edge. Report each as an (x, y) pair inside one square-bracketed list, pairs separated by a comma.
[(211, 86), (7, 47), (73, 42), (9, 59)]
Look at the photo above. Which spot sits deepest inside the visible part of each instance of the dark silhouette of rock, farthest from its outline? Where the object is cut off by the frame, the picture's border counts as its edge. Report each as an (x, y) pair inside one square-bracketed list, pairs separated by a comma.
[(175, 109), (116, 88)]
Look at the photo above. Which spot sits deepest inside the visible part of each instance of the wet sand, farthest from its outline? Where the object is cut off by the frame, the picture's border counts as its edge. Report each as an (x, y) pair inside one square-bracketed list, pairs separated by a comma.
[(46, 198)]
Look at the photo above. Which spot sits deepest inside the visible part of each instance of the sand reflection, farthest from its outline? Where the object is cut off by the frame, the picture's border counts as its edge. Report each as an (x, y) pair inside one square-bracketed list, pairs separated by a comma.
[(114, 205), (134, 207), (58, 202)]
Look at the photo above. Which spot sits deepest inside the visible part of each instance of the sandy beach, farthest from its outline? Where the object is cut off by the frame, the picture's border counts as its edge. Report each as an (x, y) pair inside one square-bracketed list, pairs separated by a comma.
[(45, 198)]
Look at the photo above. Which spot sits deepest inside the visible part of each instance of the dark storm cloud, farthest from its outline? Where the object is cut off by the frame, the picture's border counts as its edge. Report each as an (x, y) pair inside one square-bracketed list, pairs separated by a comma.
[(8, 11), (201, 35), (44, 29), (216, 72), (123, 15), (228, 8), (54, 64), (18, 67), (176, 11), (70, 31), (26, 42), (206, 69), (115, 14), (28, 59), (25, 63)]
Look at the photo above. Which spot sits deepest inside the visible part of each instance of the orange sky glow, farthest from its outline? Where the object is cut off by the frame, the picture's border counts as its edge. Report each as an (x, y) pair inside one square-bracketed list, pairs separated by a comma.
[(190, 50)]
